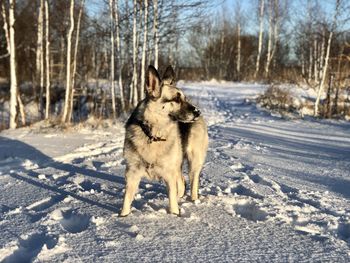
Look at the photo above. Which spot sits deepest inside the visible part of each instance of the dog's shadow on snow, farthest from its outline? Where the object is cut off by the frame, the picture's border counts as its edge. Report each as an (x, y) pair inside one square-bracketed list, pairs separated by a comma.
[(12, 151)]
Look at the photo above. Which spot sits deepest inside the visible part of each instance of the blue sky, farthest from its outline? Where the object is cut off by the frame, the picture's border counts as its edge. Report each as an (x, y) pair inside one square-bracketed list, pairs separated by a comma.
[(250, 8)]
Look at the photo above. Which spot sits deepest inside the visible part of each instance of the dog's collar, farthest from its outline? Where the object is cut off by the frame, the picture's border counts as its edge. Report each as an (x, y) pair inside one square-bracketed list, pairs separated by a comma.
[(147, 129)]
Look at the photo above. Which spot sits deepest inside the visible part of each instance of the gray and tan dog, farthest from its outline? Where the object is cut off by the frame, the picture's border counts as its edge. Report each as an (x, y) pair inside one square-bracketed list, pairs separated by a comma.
[(162, 132)]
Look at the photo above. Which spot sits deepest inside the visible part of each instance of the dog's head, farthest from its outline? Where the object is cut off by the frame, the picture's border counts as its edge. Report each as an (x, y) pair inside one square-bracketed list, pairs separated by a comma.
[(167, 99)]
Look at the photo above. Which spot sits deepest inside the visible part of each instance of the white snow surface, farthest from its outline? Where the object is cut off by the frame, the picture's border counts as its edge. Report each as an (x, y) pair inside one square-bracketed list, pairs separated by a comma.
[(272, 190)]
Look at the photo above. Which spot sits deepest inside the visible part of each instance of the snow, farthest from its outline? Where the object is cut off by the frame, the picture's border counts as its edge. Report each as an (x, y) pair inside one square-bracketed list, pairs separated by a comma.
[(272, 190)]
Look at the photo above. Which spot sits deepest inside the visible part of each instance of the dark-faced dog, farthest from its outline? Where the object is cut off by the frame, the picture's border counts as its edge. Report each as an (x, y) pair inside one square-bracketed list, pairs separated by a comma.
[(163, 131)]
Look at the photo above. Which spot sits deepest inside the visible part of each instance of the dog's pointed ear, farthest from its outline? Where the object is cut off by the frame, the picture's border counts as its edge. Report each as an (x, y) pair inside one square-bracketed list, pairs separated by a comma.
[(152, 83), (169, 76)]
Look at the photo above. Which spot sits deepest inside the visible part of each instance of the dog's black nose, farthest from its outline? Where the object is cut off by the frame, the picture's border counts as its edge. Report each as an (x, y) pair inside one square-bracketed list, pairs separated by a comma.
[(196, 112)]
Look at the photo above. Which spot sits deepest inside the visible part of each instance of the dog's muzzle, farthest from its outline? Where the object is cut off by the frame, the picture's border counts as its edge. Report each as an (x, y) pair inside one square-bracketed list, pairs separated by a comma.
[(196, 113)]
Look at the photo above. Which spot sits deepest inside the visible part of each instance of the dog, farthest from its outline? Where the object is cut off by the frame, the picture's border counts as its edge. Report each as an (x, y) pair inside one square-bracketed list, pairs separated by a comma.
[(163, 131)]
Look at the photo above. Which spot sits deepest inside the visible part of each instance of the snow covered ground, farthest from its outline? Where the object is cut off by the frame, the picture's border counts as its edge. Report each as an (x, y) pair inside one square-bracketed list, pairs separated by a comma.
[(272, 190)]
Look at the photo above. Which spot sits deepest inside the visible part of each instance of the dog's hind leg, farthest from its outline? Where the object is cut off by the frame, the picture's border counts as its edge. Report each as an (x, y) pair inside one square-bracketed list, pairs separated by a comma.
[(195, 167), (172, 194), (196, 150), (133, 179), (196, 159)]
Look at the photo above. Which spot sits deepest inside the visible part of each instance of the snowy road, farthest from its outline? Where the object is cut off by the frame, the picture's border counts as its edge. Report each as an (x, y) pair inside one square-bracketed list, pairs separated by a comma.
[(272, 190)]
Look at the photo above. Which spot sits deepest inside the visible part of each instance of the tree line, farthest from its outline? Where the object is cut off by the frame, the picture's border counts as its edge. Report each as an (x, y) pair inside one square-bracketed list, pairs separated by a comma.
[(92, 55), (59, 47), (304, 42)]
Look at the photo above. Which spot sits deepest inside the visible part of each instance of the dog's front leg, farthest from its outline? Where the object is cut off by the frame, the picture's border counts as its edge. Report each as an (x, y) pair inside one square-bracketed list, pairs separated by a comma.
[(133, 179), (172, 194)]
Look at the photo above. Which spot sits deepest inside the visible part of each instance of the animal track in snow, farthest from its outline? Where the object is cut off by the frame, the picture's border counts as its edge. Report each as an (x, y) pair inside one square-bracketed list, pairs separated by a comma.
[(242, 190), (245, 208), (70, 220), (250, 211), (28, 247), (75, 223)]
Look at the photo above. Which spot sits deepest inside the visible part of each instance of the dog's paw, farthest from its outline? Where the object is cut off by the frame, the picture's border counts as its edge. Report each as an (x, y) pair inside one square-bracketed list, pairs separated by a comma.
[(194, 197), (124, 213), (176, 215), (174, 212)]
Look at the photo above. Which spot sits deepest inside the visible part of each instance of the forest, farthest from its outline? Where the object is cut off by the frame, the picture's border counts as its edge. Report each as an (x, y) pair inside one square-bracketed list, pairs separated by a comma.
[(238, 152), (65, 61)]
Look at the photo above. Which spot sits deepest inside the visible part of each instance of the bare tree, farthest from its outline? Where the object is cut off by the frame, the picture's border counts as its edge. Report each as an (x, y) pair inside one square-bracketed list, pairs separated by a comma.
[(155, 33), (40, 55), (238, 16), (74, 67), (325, 66), (112, 14), (13, 70), (144, 47), (134, 57), (322, 51), (119, 57), (273, 33), (68, 69), (261, 29), (47, 41), (8, 48)]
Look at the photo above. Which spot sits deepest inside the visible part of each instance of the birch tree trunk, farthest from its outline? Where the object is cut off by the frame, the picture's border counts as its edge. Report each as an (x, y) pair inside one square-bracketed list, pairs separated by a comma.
[(13, 76), (275, 29), (75, 54), (21, 108), (325, 67), (134, 57), (138, 40), (68, 74), (127, 56), (144, 47), (156, 33), (40, 55), (112, 13), (8, 48), (324, 72), (119, 58), (47, 108), (273, 34), (261, 29), (321, 55), (269, 45)]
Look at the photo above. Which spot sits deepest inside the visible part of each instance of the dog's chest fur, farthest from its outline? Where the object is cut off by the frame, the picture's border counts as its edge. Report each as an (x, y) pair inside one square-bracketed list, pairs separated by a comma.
[(153, 156)]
